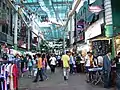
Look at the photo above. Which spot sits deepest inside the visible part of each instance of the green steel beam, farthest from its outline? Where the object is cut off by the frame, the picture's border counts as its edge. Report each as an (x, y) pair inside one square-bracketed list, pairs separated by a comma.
[(31, 3), (63, 2)]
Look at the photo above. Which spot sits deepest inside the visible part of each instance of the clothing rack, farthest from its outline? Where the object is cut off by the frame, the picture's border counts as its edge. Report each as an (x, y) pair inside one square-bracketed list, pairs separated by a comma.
[(8, 75)]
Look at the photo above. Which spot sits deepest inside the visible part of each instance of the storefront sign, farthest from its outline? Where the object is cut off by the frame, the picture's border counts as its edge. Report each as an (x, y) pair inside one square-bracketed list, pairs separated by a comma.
[(94, 30), (80, 30), (108, 12)]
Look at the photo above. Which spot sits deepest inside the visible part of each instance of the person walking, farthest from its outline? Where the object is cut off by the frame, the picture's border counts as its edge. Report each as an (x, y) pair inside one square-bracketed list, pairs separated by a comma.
[(22, 60), (30, 66), (79, 66), (53, 63), (71, 63), (66, 67), (59, 60), (26, 61), (44, 66), (39, 69)]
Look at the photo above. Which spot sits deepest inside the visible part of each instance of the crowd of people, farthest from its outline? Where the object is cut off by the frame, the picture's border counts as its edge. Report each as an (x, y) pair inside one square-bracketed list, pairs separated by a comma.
[(71, 63)]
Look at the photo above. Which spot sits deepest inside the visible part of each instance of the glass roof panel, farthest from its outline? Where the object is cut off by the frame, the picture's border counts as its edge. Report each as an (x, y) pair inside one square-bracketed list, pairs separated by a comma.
[(62, 0), (51, 8)]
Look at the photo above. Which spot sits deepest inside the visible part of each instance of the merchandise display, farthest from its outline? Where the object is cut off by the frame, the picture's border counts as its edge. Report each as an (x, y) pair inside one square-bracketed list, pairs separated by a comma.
[(8, 76), (100, 47)]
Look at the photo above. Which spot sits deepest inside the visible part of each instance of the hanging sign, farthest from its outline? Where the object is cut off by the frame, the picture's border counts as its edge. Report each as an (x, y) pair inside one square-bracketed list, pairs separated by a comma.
[(80, 30)]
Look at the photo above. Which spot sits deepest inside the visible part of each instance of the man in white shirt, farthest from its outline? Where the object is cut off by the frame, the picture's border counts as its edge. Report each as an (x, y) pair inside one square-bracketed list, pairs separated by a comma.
[(53, 63), (100, 61)]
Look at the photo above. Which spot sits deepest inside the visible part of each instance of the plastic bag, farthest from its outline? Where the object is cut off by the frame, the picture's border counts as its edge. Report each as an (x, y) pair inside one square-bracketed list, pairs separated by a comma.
[(25, 70), (48, 67), (35, 72)]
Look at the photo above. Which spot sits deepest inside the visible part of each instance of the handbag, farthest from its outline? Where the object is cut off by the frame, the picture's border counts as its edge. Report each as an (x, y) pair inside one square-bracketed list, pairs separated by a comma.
[(25, 70)]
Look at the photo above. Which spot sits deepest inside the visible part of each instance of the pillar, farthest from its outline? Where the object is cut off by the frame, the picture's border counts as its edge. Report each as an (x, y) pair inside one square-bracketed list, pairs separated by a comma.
[(29, 39), (15, 29), (109, 23), (63, 41), (71, 32), (113, 48), (39, 41)]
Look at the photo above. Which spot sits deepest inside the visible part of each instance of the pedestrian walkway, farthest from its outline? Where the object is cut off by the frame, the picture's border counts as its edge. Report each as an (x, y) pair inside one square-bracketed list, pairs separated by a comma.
[(56, 82)]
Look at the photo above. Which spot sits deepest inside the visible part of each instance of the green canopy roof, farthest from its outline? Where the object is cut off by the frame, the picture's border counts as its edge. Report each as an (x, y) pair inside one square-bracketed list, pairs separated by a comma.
[(57, 9)]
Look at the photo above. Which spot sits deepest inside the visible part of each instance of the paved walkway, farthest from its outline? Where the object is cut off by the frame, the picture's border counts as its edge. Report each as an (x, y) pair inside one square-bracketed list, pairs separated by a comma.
[(56, 82)]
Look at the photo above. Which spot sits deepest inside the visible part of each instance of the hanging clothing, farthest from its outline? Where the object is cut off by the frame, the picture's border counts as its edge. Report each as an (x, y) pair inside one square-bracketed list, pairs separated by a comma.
[(8, 77), (15, 76), (2, 73), (1, 82), (9, 72), (5, 76), (11, 78)]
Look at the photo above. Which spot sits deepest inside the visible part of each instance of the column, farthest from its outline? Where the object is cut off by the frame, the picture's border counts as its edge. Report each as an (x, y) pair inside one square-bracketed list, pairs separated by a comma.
[(64, 42), (71, 32), (15, 29), (29, 39), (109, 22), (39, 41)]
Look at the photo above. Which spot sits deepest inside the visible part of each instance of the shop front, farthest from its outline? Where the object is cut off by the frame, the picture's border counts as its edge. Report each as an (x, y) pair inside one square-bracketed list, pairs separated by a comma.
[(94, 34), (80, 35)]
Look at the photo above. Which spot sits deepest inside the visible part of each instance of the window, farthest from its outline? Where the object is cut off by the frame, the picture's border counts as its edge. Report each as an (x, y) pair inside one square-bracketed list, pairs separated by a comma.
[(7, 10), (11, 28), (4, 6), (0, 2), (5, 28)]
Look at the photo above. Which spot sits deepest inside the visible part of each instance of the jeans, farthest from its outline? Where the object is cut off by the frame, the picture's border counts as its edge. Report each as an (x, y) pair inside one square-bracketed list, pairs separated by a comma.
[(44, 72), (53, 68), (107, 80), (39, 73), (71, 68), (66, 72), (118, 80)]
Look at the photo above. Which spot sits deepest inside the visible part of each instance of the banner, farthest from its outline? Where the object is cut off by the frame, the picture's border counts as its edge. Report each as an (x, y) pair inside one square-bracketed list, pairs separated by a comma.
[(95, 9)]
